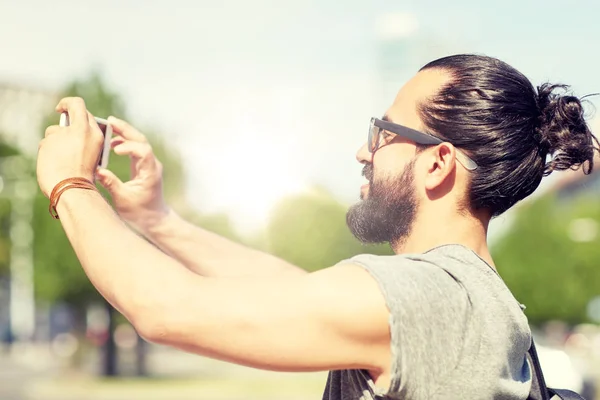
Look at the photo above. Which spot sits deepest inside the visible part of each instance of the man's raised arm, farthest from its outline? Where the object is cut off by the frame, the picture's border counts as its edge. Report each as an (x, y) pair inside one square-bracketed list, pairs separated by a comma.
[(332, 319), (140, 203)]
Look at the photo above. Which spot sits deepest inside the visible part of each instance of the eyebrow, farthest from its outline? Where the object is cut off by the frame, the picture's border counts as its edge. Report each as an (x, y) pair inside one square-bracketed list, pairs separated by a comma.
[(385, 118)]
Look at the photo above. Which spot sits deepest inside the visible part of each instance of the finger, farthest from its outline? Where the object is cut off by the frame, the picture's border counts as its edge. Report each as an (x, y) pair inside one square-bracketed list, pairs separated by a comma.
[(93, 124), (109, 180), (115, 141), (125, 130), (52, 129), (134, 149), (75, 107)]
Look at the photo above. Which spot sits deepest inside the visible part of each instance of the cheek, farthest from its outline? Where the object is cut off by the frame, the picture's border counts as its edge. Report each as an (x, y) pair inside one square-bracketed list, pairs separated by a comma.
[(388, 166)]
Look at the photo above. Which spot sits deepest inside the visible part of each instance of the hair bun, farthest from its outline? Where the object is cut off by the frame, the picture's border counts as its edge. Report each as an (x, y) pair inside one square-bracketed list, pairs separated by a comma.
[(562, 130)]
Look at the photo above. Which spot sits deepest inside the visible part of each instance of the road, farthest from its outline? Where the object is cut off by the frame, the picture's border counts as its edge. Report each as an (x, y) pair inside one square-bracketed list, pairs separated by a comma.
[(34, 375), (14, 378)]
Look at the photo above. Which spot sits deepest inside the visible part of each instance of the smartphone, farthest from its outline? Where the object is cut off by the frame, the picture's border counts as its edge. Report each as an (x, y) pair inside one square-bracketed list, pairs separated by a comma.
[(106, 129)]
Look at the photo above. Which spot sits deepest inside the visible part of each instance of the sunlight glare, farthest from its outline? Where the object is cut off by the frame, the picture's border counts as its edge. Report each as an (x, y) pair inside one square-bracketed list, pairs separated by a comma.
[(252, 175)]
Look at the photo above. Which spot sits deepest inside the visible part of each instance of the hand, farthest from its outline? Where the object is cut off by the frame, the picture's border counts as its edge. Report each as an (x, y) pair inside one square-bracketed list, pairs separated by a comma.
[(138, 201), (71, 151)]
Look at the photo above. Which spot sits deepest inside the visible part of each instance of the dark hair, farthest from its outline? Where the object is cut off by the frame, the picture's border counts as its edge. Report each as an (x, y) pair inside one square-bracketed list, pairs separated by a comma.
[(493, 112)]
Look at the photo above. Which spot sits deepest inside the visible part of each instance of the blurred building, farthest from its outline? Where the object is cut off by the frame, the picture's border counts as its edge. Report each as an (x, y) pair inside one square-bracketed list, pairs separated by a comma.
[(22, 111)]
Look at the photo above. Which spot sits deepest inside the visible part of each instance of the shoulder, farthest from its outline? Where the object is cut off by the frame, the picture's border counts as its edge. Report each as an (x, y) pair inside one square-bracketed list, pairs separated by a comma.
[(437, 267)]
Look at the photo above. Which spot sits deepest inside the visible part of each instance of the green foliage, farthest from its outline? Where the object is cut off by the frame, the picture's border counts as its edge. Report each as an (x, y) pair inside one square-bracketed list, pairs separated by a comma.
[(5, 210), (58, 273), (309, 230), (7, 150), (216, 223), (552, 274), (100, 100)]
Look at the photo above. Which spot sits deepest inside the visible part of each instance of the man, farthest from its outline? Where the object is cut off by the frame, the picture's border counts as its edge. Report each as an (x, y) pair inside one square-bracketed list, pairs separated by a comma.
[(465, 139)]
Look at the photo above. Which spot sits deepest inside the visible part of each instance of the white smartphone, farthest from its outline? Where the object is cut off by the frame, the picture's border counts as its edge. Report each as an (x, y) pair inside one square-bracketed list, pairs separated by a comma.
[(106, 129)]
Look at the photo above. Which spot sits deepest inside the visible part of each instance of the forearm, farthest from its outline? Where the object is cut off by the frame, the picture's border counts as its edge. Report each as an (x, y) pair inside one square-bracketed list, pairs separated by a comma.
[(129, 272), (209, 254)]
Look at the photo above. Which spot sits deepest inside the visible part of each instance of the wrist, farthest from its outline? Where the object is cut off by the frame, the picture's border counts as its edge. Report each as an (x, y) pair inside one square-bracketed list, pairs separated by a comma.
[(72, 198), (64, 177), (65, 185), (154, 222)]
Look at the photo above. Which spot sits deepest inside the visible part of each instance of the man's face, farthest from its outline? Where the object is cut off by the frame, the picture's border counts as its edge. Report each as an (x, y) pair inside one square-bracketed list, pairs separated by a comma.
[(390, 200)]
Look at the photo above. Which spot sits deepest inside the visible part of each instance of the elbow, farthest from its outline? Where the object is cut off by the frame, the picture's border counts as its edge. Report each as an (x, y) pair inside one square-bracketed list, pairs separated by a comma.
[(151, 329), (156, 306), (160, 326), (150, 322)]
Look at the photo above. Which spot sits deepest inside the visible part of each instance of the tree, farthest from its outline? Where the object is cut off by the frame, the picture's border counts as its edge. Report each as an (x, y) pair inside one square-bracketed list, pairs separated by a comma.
[(551, 271), (309, 230), (58, 274)]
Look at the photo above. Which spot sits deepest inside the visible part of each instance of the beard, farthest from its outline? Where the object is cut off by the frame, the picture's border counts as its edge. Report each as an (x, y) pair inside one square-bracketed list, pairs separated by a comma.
[(388, 212)]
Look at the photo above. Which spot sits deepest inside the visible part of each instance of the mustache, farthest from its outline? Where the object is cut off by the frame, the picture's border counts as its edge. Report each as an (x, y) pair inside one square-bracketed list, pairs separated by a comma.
[(367, 172)]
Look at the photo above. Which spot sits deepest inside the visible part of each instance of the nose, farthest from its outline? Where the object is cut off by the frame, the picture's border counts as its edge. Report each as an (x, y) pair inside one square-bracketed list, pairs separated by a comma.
[(363, 155)]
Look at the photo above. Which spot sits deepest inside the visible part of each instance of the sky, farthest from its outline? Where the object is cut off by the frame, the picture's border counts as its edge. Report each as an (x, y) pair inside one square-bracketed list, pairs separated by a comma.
[(265, 98)]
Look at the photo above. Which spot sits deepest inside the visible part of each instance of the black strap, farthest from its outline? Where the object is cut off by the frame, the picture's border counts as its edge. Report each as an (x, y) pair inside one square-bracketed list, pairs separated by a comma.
[(565, 394), (539, 390)]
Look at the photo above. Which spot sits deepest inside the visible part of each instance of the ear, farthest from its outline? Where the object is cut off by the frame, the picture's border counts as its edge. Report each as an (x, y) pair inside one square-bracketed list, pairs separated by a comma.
[(441, 165)]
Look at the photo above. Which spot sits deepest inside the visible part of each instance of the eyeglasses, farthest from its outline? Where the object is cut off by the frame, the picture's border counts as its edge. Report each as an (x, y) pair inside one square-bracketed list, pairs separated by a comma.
[(377, 126)]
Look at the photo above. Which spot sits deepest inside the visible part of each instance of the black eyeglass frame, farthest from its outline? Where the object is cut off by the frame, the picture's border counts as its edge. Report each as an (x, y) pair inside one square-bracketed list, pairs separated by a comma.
[(377, 125)]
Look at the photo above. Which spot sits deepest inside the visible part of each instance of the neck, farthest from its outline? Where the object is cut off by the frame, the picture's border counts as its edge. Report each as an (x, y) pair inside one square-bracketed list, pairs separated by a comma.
[(427, 233)]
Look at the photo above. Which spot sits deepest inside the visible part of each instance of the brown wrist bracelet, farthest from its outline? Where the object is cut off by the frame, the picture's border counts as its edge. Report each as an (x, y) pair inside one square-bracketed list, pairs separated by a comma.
[(62, 186)]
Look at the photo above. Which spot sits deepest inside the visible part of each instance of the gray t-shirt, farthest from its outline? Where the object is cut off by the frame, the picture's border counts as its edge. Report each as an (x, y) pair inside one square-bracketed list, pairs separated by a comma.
[(456, 330)]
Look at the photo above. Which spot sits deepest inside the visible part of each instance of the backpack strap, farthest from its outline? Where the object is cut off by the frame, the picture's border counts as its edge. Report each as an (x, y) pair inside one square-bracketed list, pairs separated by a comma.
[(539, 390), (565, 394)]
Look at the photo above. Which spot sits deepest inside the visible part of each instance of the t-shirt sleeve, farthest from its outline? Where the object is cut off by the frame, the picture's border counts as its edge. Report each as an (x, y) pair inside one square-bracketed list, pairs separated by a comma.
[(429, 310)]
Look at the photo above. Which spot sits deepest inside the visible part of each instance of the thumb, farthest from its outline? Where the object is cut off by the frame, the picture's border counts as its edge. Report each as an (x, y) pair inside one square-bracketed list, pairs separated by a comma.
[(109, 180)]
